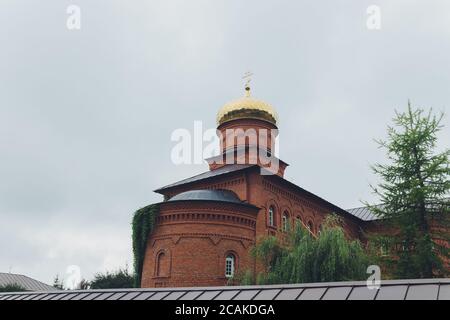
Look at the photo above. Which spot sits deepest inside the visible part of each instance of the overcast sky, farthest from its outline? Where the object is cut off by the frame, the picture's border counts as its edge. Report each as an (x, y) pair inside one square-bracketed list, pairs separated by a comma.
[(86, 115)]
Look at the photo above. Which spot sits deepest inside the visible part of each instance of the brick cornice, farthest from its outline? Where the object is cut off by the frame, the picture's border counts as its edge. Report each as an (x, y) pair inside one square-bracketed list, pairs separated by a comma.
[(214, 237)]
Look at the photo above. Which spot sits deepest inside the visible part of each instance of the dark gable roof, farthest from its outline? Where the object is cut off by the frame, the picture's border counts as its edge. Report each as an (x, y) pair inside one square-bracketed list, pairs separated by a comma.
[(334, 208), (362, 213), (26, 282), (206, 175), (413, 289)]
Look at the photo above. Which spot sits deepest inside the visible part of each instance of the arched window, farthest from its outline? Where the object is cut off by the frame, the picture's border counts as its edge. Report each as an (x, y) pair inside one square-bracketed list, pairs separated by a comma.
[(310, 226), (229, 265), (285, 221), (298, 221), (271, 216), (319, 230), (161, 265)]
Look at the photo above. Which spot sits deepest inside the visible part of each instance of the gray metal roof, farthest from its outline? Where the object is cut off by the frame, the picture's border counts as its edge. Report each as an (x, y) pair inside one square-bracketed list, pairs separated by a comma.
[(211, 195), (26, 282), (363, 213), (237, 167), (414, 289), (208, 174)]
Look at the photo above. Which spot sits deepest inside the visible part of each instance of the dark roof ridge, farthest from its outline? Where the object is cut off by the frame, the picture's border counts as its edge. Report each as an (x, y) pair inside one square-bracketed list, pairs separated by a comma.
[(208, 174)]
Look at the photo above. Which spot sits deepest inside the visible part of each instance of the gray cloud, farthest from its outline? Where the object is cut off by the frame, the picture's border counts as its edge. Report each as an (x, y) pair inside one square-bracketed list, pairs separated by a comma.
[(86, 116)]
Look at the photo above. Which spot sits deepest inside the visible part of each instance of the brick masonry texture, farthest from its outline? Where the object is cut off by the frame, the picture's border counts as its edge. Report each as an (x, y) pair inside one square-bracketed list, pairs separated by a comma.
[(192, 238)]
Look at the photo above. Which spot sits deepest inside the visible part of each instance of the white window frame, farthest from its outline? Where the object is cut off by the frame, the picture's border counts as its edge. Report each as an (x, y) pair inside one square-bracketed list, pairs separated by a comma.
[(230, 261), (285, 222), (271, 216)]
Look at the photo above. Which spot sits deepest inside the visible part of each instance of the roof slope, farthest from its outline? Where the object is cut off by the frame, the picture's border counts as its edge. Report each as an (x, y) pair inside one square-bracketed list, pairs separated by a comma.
[(208, 174), (363, 213), (28, 283), (209, 195), (357, 213), (413, 289)]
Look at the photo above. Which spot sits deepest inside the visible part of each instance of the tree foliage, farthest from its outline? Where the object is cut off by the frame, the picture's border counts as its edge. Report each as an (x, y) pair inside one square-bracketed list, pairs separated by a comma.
[(142, 225), (12, 287), (58, 283), (120, 278), (302, 258), (414, 192)]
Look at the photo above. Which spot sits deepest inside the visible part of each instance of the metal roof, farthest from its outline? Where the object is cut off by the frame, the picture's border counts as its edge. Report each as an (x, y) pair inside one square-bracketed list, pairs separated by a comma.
[(210, 195), (238, 167), (363, 213), (26, 282), (208, 174), (414, 289)]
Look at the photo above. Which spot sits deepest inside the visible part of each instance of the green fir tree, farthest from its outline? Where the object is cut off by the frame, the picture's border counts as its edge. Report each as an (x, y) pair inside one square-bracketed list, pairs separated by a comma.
[(414, 194)]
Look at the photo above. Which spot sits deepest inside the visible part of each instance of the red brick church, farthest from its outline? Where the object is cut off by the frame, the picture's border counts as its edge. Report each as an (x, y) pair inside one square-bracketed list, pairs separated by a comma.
[(207, 223)]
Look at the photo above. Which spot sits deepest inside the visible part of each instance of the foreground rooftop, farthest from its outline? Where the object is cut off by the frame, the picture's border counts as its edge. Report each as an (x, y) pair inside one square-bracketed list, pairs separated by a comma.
[(414, 289)]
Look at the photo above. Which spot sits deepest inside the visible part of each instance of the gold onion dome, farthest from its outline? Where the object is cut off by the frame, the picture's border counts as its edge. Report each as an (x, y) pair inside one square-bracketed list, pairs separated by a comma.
[(247, 107)]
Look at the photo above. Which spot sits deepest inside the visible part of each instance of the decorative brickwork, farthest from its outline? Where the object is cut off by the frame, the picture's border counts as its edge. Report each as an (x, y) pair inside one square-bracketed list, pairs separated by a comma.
[(193, 238)]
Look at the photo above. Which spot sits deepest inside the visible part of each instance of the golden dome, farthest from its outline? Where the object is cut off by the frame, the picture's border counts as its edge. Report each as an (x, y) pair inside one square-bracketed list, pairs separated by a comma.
[(247, 107)]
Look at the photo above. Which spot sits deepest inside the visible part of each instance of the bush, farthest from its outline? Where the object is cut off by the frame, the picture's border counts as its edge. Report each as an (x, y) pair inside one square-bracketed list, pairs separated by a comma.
[(113, 280), (14, 287)]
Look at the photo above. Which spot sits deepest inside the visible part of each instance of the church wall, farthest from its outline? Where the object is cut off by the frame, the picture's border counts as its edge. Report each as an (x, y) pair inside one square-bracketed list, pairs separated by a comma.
[(234, 182), (268, 192), (232, 134), (380, 227), (250, 186), (196, 238)]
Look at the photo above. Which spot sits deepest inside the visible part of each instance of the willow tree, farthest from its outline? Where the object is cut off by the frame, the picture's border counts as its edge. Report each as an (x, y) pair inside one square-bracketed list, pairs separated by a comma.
[(301, 258), (414, 192)]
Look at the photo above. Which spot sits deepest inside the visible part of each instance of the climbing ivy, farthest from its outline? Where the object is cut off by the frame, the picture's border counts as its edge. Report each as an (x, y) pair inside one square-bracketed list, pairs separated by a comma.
[(142, 225)]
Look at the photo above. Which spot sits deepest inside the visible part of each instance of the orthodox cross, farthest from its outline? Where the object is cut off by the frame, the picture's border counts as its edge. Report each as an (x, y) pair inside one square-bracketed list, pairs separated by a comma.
[(248, 78)]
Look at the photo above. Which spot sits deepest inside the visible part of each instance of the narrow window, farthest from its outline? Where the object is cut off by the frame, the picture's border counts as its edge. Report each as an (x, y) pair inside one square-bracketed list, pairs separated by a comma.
[(161, 265), (229, 266), (298, 221), (285, 221), (310, 226), (271, 217)]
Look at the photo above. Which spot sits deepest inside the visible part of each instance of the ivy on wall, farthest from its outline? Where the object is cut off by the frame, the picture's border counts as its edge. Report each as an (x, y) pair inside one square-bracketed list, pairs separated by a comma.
[(142, 225)]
